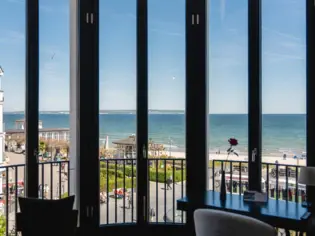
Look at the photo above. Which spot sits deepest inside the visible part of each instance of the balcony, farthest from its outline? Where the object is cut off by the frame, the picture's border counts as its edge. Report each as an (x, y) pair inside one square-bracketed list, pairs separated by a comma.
[(118, 187), (52, 175), (278, 180), (119, 191)]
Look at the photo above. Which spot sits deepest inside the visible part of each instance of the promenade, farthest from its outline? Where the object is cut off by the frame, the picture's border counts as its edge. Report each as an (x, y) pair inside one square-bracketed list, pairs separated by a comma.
[(114, 211), (161, 205)]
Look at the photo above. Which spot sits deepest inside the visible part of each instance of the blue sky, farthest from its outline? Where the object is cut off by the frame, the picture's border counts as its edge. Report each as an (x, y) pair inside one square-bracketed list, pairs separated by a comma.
[(283, 55)]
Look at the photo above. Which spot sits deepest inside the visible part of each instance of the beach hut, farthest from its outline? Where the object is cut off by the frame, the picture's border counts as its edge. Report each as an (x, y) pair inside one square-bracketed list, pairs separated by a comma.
[(126, 148)]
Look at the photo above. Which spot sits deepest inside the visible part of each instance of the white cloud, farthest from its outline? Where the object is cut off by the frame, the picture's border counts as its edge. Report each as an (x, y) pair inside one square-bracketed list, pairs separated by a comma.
[(169, 33), (279, 33), (16, 1), (12, 37), (281, 56)]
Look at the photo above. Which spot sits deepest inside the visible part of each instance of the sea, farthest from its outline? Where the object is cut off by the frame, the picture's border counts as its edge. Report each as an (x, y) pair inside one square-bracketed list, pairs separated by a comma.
[(281, 133)]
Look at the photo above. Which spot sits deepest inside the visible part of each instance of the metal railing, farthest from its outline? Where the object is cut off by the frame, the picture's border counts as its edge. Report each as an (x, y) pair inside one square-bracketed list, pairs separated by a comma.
[(53, 184), (166, 184), (118, 190), (279, 181)]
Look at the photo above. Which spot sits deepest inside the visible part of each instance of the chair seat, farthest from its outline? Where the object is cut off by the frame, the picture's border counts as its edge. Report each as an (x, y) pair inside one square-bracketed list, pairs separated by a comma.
[(219, 223)]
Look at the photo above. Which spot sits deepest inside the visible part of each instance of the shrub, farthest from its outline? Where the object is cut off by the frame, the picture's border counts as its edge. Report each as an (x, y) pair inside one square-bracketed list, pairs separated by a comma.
[(120, 183), (121, 173), (64, 195), (2, 225), (120, 168), (161, 175)]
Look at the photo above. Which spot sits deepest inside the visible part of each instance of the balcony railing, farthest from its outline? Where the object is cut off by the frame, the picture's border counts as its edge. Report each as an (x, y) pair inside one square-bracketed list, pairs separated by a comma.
[(118, 190), (280, 181), (53, 184), (167, 183)]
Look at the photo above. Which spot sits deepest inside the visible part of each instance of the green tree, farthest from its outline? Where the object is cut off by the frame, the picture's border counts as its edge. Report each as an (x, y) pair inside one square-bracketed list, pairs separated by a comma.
[(42, 146), (2, 225)]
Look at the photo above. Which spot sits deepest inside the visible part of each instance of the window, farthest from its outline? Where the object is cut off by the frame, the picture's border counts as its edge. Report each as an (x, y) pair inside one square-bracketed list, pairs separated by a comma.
[(117, 111), (166, 89), (228, 92), (283, 94)]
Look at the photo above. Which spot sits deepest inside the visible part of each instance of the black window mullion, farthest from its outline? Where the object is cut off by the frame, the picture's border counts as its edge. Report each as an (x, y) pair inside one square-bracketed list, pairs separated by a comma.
[(254, 94), (310, 86), (32, 94), (142, 112), (196, 105), (88, 130)]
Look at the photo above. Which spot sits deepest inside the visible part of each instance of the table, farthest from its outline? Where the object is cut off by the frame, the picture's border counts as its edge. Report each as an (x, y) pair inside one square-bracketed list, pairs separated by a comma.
[(278, 213)]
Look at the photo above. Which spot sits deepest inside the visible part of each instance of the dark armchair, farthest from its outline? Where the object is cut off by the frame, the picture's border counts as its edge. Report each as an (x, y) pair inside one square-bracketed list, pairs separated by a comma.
[(47, 217)]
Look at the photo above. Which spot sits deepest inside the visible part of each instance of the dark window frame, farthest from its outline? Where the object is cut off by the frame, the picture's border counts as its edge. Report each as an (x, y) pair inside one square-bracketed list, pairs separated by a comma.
[(310, 86), (32, 97)]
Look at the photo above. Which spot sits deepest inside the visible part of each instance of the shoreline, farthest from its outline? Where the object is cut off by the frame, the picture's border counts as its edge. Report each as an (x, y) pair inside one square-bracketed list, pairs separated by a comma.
[(15, 158), (265, 159)]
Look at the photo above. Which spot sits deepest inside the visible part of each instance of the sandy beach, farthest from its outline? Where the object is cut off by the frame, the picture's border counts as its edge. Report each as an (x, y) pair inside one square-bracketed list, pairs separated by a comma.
[(20, 158), (265, 159)]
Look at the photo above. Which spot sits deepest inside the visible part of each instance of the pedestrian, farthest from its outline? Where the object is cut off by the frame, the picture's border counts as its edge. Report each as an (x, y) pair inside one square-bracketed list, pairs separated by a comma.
[(46, 190), (284, 156), (169, 182), (40, 191), (152, 214), (128, 201)]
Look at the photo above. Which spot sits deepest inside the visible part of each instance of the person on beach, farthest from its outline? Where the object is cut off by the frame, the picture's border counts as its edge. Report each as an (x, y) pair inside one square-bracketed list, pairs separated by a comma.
[(284, 156)]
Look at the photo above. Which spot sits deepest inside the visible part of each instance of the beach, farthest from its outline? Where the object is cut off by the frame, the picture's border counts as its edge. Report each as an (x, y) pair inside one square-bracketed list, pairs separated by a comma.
[(265, 159), (281, 134)]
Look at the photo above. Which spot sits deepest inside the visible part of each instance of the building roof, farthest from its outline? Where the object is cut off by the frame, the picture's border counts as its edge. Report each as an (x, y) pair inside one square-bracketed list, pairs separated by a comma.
[(131, 140), (17, 131), (23, 120)]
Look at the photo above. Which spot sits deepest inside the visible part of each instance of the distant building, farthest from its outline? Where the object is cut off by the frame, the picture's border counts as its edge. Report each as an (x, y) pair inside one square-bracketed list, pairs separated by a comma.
[(2, 133), (48, 134), (126, 148)]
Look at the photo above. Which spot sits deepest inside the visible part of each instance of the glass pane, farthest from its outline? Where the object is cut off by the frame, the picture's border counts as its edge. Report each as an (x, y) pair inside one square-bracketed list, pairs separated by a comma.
[(166, 71), (54, 99), (228, 94), (284, 94), (12, 107), (117, 111)]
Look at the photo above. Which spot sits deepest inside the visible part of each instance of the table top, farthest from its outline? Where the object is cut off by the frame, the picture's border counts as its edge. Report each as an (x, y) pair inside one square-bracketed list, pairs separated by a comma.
[(279, 213)]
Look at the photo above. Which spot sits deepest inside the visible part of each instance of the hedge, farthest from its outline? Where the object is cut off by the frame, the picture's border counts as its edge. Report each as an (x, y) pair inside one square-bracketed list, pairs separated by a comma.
[(120, 168), (161, 175), (120, 183), (154, 175)]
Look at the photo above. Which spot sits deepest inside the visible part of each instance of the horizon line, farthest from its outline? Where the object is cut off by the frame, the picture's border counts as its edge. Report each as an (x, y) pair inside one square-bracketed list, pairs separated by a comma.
[(160, 110)]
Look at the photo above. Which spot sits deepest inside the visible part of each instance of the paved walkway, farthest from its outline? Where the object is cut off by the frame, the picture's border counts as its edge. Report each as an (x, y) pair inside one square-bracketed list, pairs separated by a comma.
[(161, 205)]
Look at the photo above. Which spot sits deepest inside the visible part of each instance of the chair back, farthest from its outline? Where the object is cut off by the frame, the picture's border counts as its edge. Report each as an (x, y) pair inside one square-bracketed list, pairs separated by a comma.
[(47, 217), (219, 223)]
